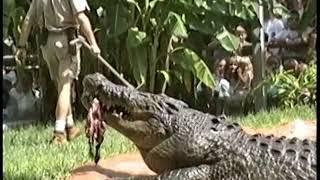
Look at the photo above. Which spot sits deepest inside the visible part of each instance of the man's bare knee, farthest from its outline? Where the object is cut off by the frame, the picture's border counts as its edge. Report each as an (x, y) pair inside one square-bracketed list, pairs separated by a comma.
[(64, 83)]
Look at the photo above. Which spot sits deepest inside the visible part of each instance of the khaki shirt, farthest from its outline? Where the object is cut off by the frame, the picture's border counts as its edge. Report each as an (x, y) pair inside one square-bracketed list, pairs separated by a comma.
[(58, 15)]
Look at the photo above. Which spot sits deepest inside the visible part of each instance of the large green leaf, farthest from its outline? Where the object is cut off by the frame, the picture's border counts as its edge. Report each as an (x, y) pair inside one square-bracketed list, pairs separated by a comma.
[(187, 80), (135, 37), (138, 62), (177, 72), (203, 24), (198, 2), (118, 15), (137, 51), (278, 8), (308, 15), (190, 61), (240, 11), (243, 10), (153, 3), (175, 25), (228, 41), (136, 4)]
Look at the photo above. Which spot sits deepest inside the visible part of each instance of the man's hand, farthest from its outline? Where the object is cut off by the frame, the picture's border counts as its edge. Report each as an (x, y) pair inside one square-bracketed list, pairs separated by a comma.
[(21, 55), (239, 71), (95, 50)]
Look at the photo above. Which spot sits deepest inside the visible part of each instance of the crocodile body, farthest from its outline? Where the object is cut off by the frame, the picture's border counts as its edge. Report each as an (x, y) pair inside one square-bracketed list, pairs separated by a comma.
[(178, 142)]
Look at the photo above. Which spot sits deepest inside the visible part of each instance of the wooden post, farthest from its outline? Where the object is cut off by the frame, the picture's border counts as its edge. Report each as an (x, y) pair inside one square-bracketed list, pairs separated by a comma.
[(259, 65)]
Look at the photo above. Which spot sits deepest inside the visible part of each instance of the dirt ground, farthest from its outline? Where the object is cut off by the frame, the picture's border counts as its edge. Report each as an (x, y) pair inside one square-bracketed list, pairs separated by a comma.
[(126, 165)]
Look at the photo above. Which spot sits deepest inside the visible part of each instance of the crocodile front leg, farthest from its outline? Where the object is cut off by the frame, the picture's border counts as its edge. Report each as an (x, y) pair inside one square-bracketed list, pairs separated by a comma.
[(201, 172), (163, 157), (176, 152)]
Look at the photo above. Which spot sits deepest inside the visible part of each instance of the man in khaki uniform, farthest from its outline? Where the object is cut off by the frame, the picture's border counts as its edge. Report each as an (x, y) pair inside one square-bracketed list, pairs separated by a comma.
[(61, 19)]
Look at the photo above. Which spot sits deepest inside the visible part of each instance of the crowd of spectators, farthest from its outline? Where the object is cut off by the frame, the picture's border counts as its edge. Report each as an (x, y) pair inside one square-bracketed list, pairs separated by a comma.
[(287, 48)]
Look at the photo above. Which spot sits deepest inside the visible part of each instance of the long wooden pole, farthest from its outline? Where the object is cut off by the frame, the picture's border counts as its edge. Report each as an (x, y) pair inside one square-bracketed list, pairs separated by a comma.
[(82, 40)]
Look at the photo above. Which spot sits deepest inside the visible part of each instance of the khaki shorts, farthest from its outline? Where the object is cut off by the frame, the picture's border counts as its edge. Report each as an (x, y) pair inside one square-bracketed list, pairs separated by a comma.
[(61, 64)]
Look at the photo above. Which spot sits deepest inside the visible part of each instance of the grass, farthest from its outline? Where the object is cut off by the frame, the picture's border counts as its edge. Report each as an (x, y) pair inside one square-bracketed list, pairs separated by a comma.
[(267, 119), (28, 154)]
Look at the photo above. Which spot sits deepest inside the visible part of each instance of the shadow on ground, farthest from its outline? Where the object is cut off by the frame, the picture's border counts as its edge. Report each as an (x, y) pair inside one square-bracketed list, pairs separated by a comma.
[(117, 167), (92, 169)]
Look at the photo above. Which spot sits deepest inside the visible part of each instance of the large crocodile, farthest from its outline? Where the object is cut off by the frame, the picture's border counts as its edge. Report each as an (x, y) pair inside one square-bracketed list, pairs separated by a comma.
[(178, 142)]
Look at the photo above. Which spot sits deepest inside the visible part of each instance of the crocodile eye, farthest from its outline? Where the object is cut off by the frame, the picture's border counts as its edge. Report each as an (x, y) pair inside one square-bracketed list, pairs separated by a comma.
[(215, 121), (236, 124), (230, 126)]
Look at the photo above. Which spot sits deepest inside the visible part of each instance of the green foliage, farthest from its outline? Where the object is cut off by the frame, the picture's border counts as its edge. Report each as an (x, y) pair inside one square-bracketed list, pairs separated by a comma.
[(138, 54), (228, 41), (290, 90), (176, 26), (143, 23), (13, 15), (190, 61), (157, 19)]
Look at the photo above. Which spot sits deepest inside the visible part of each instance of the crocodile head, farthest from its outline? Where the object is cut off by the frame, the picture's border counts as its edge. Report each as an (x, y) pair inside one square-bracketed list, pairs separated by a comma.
[(133, 113)]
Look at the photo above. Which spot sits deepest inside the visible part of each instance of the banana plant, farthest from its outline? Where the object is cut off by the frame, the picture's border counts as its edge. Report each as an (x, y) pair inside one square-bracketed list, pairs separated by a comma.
[(156, 20)]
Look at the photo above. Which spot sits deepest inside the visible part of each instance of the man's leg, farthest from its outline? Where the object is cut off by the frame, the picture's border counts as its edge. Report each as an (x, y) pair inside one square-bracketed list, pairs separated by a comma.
[(70, 122), (68, 70), (62, 108), (63, 104), (72, 131)]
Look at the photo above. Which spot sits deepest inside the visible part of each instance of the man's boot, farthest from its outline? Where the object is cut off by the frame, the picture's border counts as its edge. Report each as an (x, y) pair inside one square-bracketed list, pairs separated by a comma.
[(72, 133), (59, 138)]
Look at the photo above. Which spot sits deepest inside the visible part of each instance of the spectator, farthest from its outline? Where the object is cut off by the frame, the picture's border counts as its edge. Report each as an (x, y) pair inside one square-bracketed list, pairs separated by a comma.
[(245, 74), (295, 66), (245, 46), (290, 64), (273, 63), (219, 69), (231, 71)]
